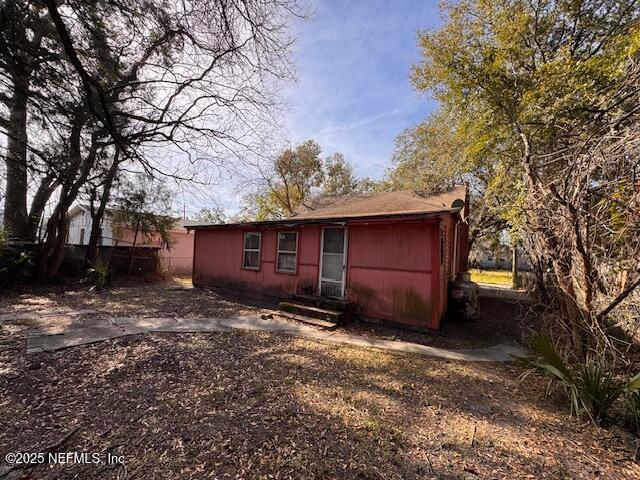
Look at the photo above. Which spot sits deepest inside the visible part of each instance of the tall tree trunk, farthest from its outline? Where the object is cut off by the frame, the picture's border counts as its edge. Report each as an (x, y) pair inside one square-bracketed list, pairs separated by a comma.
[(50, 256), (133, 248), (40, 199), (539, 272), (96, 220), (15, 201), (575, 315), (21, 68), (515, 280)]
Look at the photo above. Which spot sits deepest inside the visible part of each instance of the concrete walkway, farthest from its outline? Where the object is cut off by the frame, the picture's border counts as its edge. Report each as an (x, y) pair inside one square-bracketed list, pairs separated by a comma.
[(504, 292), (106, 328)]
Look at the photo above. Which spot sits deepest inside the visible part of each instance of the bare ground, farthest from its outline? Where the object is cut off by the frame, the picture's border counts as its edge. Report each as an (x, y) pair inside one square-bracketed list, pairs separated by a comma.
[(257, 405), (177, 298)]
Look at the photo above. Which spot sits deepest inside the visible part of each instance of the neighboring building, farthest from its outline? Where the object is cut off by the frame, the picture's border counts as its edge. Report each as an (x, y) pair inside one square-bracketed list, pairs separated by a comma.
[(488, 255), (392, 254), (176, 258), (80, 223)]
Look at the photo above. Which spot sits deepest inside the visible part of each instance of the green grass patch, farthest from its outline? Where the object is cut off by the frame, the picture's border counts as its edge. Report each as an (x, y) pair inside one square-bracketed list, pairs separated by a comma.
[(497, 277)]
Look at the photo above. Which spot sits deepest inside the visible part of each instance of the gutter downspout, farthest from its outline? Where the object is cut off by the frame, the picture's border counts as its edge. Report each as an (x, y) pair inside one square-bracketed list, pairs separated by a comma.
[(455, 244), (455, 251)]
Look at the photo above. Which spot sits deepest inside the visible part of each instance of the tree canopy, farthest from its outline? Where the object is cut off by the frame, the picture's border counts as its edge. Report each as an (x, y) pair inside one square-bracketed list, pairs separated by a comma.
[(143, 205), (89, 90), (298, 175), (538, 111), (211, 215)]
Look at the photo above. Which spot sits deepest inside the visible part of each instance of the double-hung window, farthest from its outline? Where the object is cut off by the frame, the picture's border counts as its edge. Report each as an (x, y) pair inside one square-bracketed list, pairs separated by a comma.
[(287, 251), (251, 252)]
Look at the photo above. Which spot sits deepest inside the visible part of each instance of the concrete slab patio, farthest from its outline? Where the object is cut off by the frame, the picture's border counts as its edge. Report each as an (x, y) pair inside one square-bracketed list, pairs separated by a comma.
[(107, 328)]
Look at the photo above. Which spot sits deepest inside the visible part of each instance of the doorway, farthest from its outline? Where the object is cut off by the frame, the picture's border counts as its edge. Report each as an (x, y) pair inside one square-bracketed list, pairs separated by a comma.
[(333, 250)]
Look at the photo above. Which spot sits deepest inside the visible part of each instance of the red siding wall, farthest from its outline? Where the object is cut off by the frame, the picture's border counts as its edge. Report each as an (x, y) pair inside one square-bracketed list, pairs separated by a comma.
[(218, 260), (390, 271), (393, 269)]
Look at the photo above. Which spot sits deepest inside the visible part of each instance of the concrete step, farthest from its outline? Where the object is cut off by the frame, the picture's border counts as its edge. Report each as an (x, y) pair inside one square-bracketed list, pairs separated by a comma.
[(304, 299), (316, 322), (337, 304), (313, 312)]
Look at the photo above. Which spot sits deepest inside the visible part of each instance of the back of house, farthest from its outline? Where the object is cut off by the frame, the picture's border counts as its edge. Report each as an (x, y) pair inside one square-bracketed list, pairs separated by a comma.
[(392, 254)]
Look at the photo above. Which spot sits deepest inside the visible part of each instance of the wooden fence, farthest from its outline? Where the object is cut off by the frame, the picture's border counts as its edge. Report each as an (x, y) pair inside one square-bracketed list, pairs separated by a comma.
[(145, 259)]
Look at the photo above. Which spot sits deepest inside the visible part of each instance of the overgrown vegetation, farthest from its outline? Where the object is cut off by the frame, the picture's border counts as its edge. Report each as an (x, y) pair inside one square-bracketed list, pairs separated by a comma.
[(12, 258), (592, 387), (100, 274), (538, 112)]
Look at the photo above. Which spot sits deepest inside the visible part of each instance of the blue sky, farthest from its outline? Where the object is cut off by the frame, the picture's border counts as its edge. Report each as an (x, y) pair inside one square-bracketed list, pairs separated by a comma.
[(353, 93)]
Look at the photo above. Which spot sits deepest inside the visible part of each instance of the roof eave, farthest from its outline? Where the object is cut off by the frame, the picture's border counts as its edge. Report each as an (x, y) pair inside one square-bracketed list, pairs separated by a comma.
[(310, 221)]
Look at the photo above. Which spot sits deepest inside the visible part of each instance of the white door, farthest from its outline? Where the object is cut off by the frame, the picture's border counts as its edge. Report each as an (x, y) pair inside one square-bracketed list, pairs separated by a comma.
[(332, 261)]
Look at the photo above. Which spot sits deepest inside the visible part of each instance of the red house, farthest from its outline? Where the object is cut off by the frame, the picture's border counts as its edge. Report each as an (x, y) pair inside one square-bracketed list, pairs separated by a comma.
[(392, 254)]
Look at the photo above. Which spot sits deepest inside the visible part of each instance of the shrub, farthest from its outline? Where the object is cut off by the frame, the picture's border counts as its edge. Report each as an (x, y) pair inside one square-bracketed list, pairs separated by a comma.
[(591, 387), (13, 260), (100, 274), (632, 394)]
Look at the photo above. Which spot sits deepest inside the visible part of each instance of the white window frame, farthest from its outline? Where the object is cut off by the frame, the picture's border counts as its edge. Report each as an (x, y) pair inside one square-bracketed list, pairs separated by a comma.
[(245, 249), (295, 254)]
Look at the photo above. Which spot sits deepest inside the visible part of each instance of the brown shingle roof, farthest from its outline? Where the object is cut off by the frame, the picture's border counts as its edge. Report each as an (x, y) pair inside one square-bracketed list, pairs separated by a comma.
[(364, 206), (384, 203)]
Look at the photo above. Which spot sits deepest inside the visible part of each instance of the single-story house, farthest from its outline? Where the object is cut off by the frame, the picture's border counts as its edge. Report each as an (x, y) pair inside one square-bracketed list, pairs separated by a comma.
[(175, 258), (393, 254)]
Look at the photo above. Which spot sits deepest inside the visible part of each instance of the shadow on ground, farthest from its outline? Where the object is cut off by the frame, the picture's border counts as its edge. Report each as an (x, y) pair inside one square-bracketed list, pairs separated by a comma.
[(257, 405)]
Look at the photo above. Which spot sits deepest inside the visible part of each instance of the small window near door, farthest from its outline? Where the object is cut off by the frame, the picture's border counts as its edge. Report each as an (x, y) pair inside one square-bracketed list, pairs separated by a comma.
[(287, 252), (82, 236), (251, 252)]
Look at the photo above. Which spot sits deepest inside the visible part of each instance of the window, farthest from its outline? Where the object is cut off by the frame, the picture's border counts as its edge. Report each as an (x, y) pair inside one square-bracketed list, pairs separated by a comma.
[(251, 254), (287, 250), (82, 236)]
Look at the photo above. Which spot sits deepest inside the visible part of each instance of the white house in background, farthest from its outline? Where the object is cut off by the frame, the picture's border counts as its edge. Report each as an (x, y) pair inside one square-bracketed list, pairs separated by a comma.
[(80, 227), (178, 258)]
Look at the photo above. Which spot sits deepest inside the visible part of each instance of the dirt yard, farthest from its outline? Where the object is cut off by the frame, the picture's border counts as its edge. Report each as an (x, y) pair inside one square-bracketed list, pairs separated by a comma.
[(177, 298), (268, 406)]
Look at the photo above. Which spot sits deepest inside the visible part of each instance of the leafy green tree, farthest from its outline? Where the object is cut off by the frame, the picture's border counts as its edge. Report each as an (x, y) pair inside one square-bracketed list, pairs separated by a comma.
[(143, 205), (211, 215), (296, 172), (439, 154), (339, 178), (539, 102), (300, 174)]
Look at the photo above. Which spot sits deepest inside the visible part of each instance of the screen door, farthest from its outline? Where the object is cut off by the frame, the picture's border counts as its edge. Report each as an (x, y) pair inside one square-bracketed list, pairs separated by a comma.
[(332, 262)]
